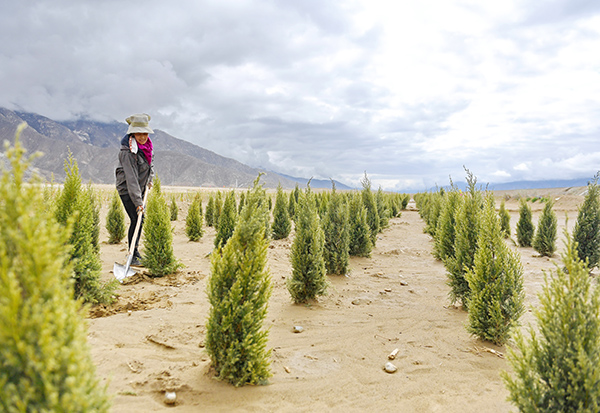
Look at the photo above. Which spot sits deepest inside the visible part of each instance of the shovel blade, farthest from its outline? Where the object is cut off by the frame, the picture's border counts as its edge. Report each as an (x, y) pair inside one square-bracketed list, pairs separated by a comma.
[(123, 271)]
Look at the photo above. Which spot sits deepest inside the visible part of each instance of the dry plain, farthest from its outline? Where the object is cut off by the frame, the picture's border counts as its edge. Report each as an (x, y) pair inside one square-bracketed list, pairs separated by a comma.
[(151, 340)]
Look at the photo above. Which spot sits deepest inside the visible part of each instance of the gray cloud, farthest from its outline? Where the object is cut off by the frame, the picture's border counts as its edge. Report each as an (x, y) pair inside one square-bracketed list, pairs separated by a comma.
[(326, 89)]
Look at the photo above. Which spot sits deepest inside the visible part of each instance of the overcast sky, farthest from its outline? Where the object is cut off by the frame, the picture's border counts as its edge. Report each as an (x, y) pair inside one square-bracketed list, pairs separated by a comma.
[(408, 91)]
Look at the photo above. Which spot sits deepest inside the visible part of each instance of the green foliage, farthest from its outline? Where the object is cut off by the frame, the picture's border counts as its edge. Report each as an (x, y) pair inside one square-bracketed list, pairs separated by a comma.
[(465, 242), (421, 201), (45, 363), (394, 201), (586, 233), (371, 207), (544, 241), (322, 203), (69, 195), (446, 226), (360, 233), (75, 209), (96, 205), (173, 208), (293, 202), (193, 220), (242, 202), (525, 228), (383, 210), (557, 368), (405, 201), (157, 186), (238, 291), (115, 220), (227, 220), (308, 265), (218, 208), (496, 282), (504, 219), (209, 214), (432, 209), (85, 256), (282, 224), (50, 193), (336, 229), (158, 236)]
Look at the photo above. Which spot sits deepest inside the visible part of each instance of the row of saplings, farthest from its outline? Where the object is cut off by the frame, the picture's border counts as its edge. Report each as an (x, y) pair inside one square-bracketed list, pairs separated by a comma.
[(50, 266), (329, 228), (557, 364)]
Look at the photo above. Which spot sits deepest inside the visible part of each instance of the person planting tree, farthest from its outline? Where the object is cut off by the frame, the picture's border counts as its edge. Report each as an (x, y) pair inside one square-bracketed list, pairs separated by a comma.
[(134, 173)]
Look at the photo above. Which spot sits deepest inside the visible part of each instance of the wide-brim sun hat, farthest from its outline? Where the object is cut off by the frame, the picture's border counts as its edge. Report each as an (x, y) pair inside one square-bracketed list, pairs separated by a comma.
[(138, 123)]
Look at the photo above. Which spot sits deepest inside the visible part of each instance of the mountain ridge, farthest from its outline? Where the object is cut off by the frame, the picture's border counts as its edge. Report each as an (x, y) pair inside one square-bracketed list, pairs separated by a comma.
[(94, 145)]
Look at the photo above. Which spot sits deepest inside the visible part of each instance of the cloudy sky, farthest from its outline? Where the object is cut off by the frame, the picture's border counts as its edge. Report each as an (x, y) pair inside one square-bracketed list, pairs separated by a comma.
[(408, 91)]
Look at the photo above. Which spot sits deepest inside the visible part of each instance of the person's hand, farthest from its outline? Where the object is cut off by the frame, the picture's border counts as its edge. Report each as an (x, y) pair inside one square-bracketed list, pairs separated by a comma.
[(140, 209), (149, 185)]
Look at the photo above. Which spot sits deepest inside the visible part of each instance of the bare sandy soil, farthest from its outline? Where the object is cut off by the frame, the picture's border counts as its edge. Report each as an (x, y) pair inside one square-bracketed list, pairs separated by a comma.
[(151, 340)]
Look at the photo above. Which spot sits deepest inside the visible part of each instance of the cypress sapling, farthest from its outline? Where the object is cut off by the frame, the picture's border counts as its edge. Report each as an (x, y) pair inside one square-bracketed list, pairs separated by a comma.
[(465, 242), (544, 241), (371, 207), (293, 202), (158, 258), (115, 220), (239, 289), (96, 205), (383, 210), (193, 220), (337, 235), (586, 233), (433, 210), (242, 202), (525, 228), (86, 257), (504, 219), (495, 281), (282, 224), (394, 202), (75, 209), (209, 214), (557, 367), (67, 199), (174, 211), (46, 362), (445, 233), (227, 219), (405, 201), (308, 265), (218, 207), (360, 234)]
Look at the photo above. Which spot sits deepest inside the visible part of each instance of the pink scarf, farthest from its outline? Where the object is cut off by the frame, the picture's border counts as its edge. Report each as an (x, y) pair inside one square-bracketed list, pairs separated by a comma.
[(147, 150)]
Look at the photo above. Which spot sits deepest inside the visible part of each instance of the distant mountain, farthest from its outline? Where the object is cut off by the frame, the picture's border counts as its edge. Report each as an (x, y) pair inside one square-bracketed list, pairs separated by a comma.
[(95, 146), (516, 185), (316, 183), (553, 183)]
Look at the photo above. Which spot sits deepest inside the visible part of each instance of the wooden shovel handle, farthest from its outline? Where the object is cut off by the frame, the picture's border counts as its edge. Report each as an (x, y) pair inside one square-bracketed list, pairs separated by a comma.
[(138, 225)]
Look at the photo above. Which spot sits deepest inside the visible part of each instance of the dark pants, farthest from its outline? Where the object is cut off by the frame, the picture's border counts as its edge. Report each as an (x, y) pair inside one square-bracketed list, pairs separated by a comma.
[(133, 217)]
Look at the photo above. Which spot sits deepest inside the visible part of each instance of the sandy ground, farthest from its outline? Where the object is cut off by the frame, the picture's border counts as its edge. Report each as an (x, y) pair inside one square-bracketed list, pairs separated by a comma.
[(151, 340)]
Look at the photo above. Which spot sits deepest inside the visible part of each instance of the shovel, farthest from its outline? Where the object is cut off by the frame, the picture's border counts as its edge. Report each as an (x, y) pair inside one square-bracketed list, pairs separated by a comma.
[(124, 271)]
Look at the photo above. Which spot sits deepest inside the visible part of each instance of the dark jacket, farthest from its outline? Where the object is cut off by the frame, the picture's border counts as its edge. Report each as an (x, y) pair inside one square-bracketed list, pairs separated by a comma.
[(133, 172)]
